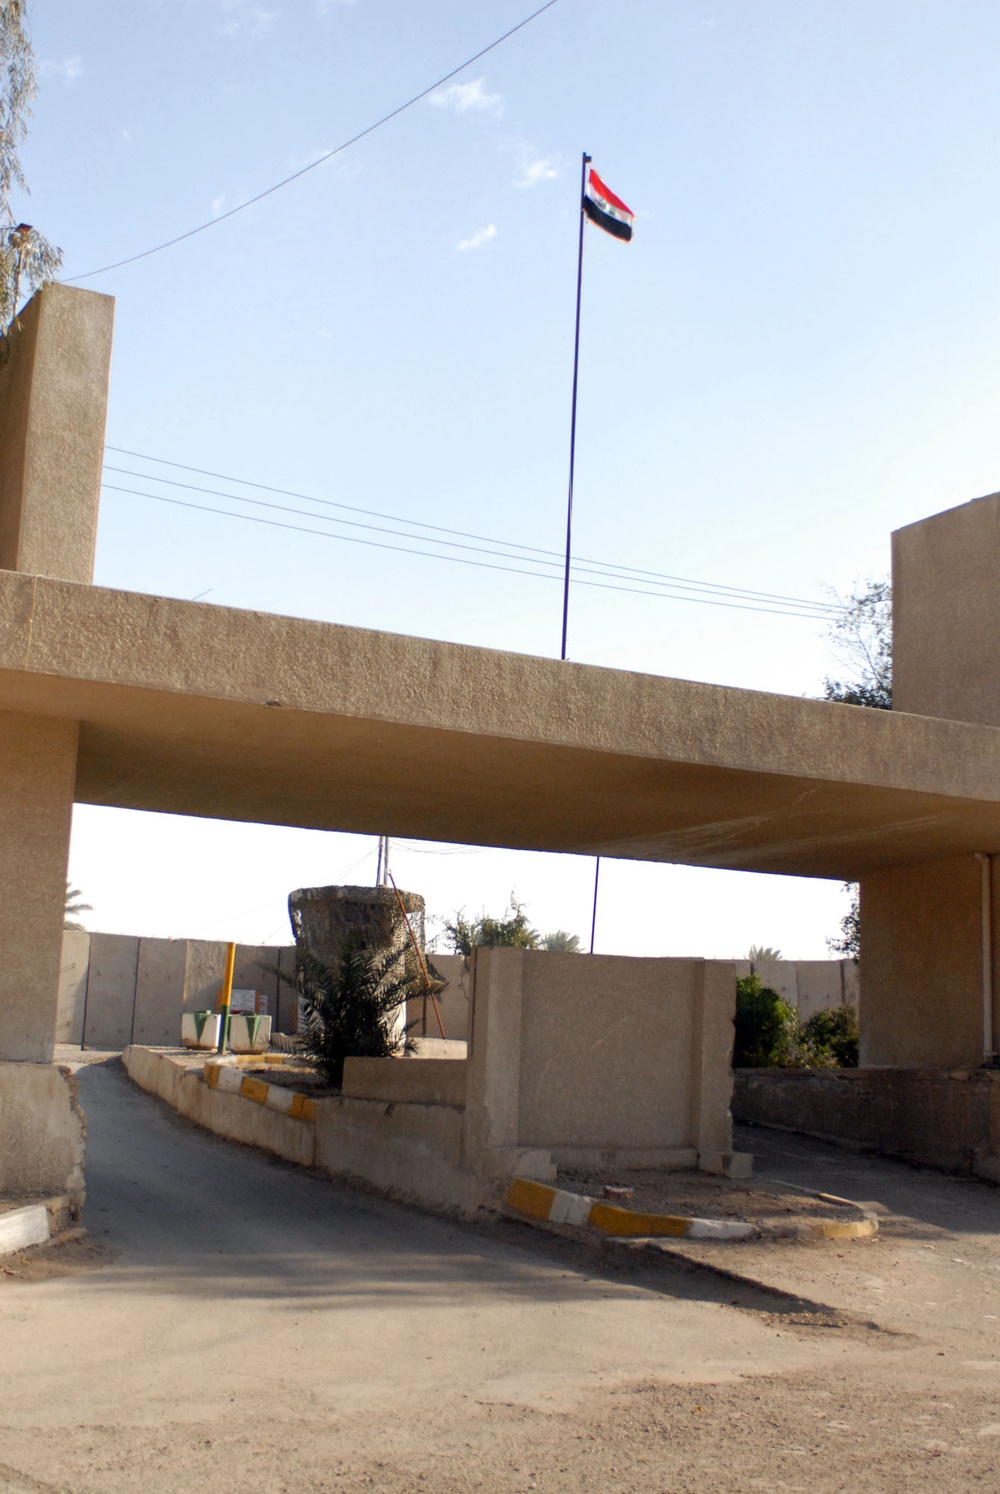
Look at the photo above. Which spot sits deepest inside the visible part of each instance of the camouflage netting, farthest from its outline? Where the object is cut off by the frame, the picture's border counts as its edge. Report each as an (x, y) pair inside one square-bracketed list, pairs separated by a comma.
[(321, 916)]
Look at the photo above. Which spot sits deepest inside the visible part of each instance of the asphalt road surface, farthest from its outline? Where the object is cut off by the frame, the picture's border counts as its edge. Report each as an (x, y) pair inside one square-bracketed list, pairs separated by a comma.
[(233, 1323)]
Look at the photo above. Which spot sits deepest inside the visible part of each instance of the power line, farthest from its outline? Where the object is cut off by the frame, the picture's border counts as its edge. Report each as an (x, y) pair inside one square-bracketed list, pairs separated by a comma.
[(369, 130), (583, 564), (489, 547), (350, 539)]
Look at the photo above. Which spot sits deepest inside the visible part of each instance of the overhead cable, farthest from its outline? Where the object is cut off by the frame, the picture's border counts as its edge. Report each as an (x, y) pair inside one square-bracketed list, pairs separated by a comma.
[(634, 590), (327, 156), (527, 555)]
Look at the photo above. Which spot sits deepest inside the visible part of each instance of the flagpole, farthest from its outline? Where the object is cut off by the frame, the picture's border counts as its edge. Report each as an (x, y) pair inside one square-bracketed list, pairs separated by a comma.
[(593, 921), (572, 425)]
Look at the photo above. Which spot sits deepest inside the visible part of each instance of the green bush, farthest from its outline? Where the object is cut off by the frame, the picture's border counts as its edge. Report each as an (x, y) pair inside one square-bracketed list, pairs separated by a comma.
[(467, 934), (769, 1035), (766, 1027), (829, 1040)]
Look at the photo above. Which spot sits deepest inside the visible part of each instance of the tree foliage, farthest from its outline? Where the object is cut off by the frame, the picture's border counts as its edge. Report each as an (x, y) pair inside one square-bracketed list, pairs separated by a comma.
[(829, 1039), (848, 946), (769, 1034), (352, 1007), (765, 1026), (27, 259), (761, 954), (467, 934), (861, 637)]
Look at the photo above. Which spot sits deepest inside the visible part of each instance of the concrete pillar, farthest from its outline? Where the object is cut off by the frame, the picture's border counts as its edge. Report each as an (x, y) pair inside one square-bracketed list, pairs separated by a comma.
[(37, 778), (493, 1102), (923, 977), (946, 614), (54, 372), (711, 1061)]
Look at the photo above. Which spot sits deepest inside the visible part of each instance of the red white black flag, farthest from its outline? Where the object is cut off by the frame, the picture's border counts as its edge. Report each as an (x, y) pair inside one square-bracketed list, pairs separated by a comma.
[(605, 209)]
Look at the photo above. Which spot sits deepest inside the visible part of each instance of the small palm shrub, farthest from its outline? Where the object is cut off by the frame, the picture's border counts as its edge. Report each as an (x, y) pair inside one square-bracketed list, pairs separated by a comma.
[(351, 1007)]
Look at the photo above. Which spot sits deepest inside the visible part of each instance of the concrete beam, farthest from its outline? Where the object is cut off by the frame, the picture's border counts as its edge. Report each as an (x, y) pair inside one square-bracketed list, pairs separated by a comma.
[(201, 710)]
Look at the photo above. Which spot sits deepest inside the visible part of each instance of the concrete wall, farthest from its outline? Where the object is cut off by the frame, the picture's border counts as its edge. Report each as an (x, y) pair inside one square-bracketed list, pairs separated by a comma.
[(428, 1081), (453, 1002), (44, 1133), (117, 989), (936, 1118), (598, 1058), (53, 401)]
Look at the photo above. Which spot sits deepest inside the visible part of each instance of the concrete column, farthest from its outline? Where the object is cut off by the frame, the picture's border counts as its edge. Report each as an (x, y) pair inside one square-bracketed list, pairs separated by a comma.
[(37, 778), (494, 1062), (922, 971), (54, 372), (712, 1052)]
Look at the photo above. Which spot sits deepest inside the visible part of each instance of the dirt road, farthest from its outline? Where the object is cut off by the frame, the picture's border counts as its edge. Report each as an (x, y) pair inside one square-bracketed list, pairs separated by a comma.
[(245, 1326)]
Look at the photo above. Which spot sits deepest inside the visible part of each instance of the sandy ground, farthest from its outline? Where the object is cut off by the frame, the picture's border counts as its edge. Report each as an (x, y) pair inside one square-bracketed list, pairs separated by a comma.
[(234, 1324)]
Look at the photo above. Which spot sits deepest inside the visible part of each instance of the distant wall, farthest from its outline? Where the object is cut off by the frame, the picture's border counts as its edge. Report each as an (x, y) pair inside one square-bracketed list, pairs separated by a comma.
[(116, 989), (453, 1002), (807, 985)]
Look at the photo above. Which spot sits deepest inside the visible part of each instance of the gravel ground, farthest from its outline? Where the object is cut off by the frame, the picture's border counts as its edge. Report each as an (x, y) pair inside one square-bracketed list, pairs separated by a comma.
[(235, 1324), (705, 1197)]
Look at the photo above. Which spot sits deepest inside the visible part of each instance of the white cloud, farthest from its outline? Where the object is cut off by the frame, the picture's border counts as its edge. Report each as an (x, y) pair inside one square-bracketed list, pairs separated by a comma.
[(468, 98), (535, 169), (69, 69), (246, 18), (477, 240), (323, 7)]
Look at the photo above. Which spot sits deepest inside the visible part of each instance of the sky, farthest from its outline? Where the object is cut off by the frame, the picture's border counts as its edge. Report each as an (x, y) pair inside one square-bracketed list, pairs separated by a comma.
[(797, 353)]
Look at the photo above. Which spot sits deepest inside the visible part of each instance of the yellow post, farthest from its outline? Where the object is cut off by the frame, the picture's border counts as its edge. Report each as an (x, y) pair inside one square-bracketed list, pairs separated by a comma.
[(226, 996)]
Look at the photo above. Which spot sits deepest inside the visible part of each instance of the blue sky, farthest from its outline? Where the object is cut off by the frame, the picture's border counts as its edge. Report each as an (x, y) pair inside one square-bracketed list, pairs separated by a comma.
[(797, 353)]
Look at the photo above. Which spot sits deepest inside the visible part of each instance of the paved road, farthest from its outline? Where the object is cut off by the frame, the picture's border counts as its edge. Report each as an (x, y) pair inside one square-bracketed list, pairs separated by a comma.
[(262, 1329)]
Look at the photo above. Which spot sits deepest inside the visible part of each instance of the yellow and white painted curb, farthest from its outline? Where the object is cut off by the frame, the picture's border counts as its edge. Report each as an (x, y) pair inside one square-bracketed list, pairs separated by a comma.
[(555, 1206), (229, 1080)]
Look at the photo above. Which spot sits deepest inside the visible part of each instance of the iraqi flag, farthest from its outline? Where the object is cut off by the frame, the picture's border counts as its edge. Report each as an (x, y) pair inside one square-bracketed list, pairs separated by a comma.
[(605, 209)]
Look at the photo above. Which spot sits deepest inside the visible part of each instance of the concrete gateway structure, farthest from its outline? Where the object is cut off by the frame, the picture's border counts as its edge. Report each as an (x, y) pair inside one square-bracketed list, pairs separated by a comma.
[(117, 698)]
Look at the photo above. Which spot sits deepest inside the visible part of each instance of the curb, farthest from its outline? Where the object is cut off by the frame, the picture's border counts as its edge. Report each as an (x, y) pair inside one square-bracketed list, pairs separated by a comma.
[(555, 1206), (23, 1227), (537, 1201), (229, 1080)]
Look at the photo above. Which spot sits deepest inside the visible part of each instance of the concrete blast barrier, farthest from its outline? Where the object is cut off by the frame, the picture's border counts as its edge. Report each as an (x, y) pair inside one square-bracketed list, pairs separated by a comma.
[(600, 1060)]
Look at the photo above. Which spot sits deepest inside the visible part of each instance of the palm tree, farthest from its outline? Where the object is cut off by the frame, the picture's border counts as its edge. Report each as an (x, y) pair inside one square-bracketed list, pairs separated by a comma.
[(560, 942), (74, 904), (351, 1007)]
